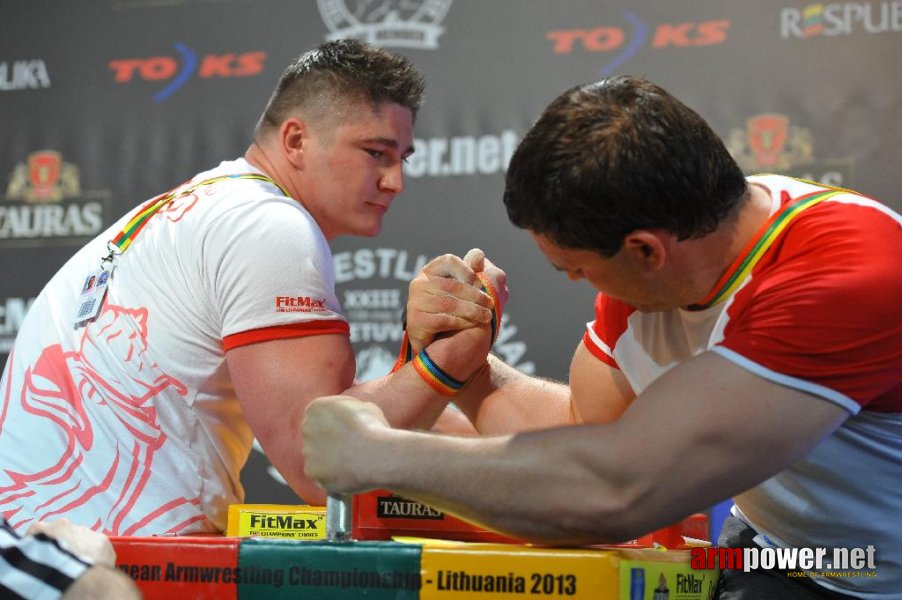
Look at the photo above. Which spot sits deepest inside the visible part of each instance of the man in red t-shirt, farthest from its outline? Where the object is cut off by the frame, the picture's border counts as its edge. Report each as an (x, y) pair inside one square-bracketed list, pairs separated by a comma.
[(747, 344)]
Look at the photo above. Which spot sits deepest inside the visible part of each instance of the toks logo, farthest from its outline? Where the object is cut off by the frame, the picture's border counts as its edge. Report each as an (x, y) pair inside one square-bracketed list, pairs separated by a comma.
[(770, 143), (167, 68), (628, 40), (44, 200)]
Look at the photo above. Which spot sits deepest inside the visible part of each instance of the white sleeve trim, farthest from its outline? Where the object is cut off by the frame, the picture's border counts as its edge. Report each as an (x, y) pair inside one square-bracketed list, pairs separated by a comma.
[(597, 340), (815, 389), (861, 201)]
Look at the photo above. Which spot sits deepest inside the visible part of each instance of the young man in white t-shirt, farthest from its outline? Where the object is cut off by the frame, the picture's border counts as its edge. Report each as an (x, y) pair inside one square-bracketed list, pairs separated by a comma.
[(207, 316)]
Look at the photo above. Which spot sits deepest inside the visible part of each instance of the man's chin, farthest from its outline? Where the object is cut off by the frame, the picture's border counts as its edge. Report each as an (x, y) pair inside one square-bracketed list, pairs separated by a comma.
[(373, 230), (649, 308), (366, 232)]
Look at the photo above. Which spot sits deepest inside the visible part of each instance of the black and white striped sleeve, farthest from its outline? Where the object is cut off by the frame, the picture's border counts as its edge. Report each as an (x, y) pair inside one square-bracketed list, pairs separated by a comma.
[(35, 566)]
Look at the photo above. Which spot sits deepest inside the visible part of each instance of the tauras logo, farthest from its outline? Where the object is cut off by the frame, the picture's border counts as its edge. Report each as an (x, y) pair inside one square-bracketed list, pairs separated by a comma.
[(23, 75), (769, 142), (400, 23), (772, 143), (44, 200), (395, 507)]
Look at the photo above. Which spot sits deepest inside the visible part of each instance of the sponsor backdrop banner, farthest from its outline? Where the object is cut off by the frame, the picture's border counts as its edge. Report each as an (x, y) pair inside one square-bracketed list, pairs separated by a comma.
[(104, 103)]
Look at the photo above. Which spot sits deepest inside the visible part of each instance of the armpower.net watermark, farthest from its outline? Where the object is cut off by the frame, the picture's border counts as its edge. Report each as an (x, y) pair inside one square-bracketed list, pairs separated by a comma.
[(796, 562)]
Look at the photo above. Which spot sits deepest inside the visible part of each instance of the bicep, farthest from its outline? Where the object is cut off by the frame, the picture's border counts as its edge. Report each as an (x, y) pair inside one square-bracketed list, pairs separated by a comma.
[(504, 400), (517, 402), (275, 380), (600, 393)]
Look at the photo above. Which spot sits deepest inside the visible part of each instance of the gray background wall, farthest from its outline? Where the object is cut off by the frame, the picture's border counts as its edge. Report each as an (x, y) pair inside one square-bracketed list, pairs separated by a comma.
[(135, 96)]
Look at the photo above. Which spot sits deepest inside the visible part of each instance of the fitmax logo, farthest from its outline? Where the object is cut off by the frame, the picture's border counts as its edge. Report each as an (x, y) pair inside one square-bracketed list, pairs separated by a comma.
[(299, 304), (282, 522), (177, 71), (626, 41)]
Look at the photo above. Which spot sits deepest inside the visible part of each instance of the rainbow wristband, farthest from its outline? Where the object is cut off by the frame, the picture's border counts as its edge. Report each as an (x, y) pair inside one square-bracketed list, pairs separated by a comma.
[(434, 377), (406, 353)]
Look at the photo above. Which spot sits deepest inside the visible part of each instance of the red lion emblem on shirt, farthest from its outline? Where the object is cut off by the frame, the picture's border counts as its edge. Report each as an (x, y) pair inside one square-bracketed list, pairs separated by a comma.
[(95, 401)]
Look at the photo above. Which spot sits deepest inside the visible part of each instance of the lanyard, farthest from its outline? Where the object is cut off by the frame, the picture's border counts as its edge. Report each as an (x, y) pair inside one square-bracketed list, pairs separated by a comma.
[(120, 243), (759, 245)]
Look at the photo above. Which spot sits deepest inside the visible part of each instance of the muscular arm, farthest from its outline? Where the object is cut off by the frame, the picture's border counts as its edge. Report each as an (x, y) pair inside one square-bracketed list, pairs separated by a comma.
[(276, 380), (500, 399), (703, 432), (504, 400)]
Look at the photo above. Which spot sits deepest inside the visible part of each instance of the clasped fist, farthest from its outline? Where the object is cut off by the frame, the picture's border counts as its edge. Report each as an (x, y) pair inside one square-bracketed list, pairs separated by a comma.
[(446, 297), (338, 432)]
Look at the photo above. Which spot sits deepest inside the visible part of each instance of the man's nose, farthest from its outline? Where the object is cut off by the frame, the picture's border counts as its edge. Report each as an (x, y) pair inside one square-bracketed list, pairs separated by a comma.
[(392, 179)]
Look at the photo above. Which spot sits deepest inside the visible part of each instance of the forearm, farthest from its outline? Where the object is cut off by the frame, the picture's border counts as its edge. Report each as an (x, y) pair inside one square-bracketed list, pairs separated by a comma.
[(503, 400), (568, 485), (406, 400), (679, 448), (554, 475), (274, 389)]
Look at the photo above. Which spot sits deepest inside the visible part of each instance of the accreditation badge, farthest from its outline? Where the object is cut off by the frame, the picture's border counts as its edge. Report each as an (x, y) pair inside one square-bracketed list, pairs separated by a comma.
[(92, 293)]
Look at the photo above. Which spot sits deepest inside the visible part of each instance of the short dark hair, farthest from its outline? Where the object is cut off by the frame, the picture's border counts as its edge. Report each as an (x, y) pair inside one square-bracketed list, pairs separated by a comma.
[(342, 71), (622, 154)]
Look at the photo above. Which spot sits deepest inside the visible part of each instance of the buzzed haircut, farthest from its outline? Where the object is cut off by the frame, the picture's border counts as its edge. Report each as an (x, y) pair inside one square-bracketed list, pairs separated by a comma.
[(322, 82)]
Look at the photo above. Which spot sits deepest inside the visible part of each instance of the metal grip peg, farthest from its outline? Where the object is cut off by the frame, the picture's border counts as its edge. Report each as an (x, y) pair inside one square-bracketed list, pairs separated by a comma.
[(338, 517)]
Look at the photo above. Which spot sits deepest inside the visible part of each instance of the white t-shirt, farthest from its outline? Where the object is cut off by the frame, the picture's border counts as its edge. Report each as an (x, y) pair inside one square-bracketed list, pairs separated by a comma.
[(130, 424), (818, 311)]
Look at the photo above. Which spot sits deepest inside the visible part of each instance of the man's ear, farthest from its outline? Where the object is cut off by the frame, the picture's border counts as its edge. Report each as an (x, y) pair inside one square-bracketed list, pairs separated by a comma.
[(647, 248), (293, 135)]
